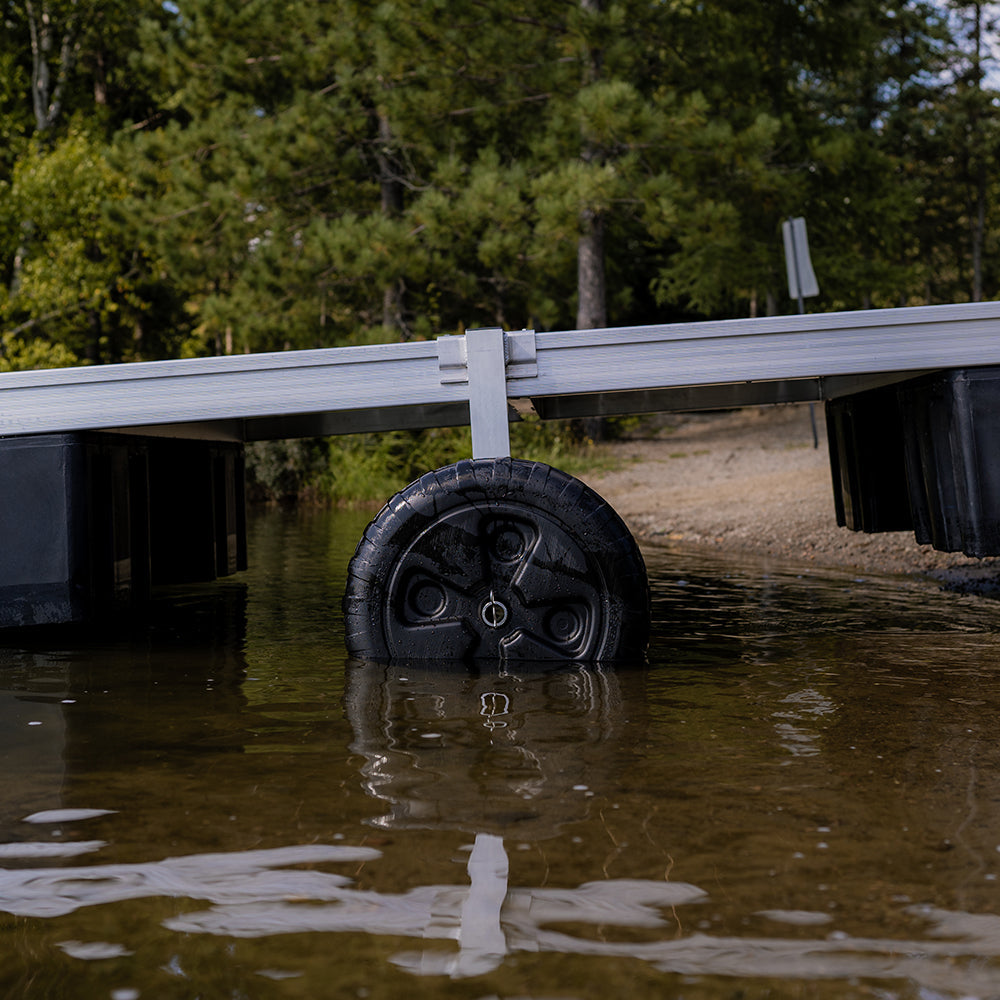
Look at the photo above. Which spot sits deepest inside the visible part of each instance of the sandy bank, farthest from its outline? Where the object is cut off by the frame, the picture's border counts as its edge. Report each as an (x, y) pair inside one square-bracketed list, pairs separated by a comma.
[(751, 481)]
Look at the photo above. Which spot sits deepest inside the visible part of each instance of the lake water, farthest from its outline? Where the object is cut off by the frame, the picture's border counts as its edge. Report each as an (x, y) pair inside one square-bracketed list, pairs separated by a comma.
[(798, 796)]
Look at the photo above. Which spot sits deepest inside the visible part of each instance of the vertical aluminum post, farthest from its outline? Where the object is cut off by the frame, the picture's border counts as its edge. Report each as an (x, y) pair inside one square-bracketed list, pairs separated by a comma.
[(487, 367)]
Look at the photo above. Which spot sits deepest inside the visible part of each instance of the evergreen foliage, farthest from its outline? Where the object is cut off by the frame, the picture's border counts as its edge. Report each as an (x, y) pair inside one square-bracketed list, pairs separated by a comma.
[(221, 176)]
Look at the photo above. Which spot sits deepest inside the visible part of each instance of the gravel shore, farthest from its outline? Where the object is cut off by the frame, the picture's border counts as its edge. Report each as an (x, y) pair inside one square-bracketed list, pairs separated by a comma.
[(752, 481)]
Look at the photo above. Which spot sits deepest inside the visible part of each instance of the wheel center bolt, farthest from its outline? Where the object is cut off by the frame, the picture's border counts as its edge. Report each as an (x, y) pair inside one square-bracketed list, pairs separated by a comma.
[(493, 612)]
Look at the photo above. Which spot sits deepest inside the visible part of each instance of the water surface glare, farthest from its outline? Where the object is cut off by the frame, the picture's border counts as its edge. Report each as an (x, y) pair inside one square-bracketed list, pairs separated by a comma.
[(797, 796)]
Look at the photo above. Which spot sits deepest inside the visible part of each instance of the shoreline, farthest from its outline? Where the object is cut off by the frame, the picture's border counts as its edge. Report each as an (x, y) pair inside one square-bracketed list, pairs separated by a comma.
[(751, 481)]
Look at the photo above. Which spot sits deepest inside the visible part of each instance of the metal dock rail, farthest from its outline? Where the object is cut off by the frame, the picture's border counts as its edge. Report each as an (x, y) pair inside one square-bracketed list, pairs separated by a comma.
[(344, 390)]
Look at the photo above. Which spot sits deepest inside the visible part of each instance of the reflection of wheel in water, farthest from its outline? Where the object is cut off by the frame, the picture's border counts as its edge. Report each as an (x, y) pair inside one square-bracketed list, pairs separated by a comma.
[(459, 746), (497, 559)]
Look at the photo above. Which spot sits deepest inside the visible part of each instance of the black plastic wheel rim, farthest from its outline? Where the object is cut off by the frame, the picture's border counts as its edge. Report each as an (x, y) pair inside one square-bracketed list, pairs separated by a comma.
[(503, 581), (496, 560)]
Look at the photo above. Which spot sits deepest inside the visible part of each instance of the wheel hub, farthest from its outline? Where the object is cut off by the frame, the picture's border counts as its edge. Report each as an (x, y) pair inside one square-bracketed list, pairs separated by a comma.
[(493, 612), (498, 580)]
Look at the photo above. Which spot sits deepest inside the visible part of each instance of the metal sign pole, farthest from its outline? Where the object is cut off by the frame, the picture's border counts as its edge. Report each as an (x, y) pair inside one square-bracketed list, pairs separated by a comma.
[(801, 279)]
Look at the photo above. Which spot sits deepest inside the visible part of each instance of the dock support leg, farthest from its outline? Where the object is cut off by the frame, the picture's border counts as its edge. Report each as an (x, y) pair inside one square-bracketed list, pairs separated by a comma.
[(488, 393)]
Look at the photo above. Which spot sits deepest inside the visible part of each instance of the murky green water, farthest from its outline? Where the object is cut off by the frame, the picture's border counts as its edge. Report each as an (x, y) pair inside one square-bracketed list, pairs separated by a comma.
[(799, 796)]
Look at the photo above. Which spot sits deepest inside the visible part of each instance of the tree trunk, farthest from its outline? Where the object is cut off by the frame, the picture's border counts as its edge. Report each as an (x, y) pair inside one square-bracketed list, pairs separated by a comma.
[(46, 96), (591, 291), (978, 230), (977, 220), (392, 306), (592, 309), (392, 205)]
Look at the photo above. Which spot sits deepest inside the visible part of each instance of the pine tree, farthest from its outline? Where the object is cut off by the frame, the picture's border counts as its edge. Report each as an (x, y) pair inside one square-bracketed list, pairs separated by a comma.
[(64, 88), (968, 122)]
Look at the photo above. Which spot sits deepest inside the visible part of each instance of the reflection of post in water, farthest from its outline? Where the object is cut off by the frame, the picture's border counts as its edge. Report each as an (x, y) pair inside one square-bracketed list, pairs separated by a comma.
[(481, 940), (448, 747)]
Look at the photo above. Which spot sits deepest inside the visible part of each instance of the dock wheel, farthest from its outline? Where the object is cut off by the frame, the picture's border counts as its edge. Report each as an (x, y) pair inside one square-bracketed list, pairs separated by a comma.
[(497, 559)]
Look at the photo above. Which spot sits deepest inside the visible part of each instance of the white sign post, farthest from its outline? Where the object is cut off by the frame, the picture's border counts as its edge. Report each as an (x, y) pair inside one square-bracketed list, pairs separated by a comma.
[(802, 282), (801, 277)]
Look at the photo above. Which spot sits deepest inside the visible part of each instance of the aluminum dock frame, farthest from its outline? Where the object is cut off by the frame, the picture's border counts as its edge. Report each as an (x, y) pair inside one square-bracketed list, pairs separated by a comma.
[(85, 453)]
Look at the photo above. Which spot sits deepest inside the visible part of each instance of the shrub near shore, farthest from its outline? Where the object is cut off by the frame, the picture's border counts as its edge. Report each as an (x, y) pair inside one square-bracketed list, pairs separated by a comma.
[(362, 469)]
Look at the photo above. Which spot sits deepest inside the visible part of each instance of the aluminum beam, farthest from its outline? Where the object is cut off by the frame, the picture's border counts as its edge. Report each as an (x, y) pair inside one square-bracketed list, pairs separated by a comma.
[(237, 387), (766, 350), (583, 372)]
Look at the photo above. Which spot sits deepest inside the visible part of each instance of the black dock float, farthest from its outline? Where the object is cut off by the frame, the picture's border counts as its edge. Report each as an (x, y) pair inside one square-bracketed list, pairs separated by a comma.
[(922, 455), (90, 522)]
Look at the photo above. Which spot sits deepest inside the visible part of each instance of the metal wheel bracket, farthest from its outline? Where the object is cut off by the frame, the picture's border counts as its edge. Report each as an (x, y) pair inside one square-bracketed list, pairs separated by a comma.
[(486, 359)]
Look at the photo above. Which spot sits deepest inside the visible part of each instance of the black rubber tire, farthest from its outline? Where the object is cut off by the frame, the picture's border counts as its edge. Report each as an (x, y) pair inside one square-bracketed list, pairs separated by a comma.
[(497, 559)]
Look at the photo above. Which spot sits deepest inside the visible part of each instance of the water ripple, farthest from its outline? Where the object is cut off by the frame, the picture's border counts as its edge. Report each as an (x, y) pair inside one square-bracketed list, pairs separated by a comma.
[(220, 878)]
